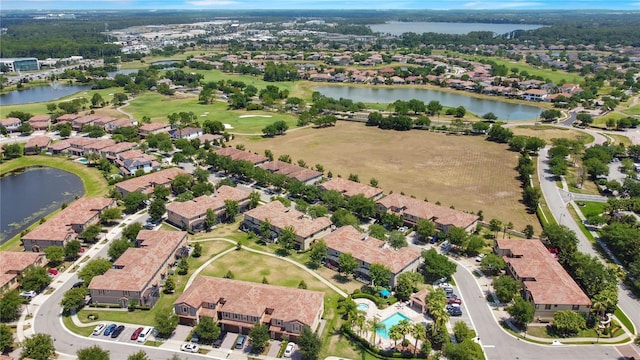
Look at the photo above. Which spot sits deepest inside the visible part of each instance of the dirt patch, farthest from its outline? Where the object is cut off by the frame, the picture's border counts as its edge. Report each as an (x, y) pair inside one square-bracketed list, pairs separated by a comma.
[(466, 172), (547, 132)]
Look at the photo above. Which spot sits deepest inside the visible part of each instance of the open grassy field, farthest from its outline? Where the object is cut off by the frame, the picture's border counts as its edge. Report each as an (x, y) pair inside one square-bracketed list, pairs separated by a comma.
[(464, 171), (634, 110), (548, 133)]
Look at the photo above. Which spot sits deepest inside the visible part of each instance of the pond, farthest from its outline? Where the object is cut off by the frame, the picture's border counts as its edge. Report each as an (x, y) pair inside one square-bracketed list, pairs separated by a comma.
[(40, 94), (503, 110), (32, 193), (399, 27)]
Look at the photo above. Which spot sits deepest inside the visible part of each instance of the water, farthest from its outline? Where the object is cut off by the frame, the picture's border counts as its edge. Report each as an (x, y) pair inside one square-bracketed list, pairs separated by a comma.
[(503, 110), (399, 28), (165, 62), (362, 307), (388, 323), (123, 72), (40, 94), (29, 195)]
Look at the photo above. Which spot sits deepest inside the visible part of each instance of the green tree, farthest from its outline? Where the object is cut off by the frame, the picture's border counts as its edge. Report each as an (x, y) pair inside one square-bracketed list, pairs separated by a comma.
[(259, 337), (10, 305), (140, 355), (362, 206), (231, 209), (397, 239), (407, 284), (38, 347), (181, 183), (528, 231), (55, 255), (309, 344), (377, 231), (131, 231), (521, 311), (183, 266), (157, 209), (161, 192), (94, 268), (425, 229), (108, 216), (568, 322), (35, 278), (531, 197), (347, 263), (6, 338), (208, 329), (474, 245), (437, 266), (118, 247), (73, 299), (254, 199), (134, 201), (197, 250), (462, 332), (166, 322), (342, 217), (492, 263), (318, 252), (287, 237), (457, 236), (464, 350), (72, 248), (90, 234), (93, 353), (380, 274), (506, 288)]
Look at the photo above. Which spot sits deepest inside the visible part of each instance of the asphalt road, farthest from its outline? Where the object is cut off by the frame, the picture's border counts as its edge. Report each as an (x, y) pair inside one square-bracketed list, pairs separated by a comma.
[(626, 301)]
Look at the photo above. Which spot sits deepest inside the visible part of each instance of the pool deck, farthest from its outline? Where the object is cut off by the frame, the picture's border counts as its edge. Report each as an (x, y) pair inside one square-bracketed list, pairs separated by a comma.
[(402, 308)]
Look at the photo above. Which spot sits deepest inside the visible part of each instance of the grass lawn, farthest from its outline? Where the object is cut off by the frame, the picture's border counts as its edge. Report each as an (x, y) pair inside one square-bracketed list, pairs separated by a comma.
[(634, 110), (620, 139), (591, 208), (84, 331), (548, 132), (554, 75), (464, 171), (143, 317)]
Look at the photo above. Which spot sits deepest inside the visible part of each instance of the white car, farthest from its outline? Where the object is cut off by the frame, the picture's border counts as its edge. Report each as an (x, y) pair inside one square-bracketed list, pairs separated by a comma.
[(190, 347), (480, 257), (288, 351), (98, 329), (445, 285), (28, 294)]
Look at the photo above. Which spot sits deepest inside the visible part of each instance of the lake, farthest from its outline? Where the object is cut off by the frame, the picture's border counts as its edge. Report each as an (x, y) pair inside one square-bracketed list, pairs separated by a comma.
[(29, 195), (399, 28), (40, 94), (503, 110)]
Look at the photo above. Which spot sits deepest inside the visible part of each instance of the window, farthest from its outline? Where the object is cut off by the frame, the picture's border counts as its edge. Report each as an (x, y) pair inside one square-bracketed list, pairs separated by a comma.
[(537, 306), (547, 307), (575, 307), (235, 316), (211, 305), (296, 327), (278, 322)]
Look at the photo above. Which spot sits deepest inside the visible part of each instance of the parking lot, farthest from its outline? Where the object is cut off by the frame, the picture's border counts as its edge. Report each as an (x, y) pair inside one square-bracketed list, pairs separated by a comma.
[(124, 337)]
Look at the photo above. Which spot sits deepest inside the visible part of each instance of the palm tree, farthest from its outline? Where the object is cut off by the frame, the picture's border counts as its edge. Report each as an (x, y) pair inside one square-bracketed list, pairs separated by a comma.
[(419, 332), (374, 325), (404, 327), (349, 308), (395, 335), (93, 157), (360, 321)]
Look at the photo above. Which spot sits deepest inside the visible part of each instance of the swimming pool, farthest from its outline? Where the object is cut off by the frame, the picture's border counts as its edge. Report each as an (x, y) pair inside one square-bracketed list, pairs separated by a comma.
[(389, 322), (83, 160), (362, 307)]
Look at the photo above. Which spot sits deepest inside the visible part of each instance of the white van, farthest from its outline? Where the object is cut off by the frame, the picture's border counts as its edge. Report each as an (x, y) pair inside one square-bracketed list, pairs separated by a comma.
[(144, 335)]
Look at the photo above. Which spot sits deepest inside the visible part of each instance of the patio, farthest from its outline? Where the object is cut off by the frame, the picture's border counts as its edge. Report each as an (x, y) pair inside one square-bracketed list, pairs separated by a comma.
[(371, 310)]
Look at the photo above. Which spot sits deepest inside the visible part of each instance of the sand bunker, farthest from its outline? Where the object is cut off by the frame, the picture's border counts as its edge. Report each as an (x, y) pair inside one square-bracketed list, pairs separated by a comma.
[(250, 116), (227, 126)]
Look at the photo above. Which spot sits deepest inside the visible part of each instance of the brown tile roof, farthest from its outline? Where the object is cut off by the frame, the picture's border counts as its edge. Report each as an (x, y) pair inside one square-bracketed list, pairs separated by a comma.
[(215, 201), (426, 210), (59, 226), (67, 117), (209, 137), (293, 171), (146, 183), (351, 188), (9, 121), (153, 127), (551, 284), (280, 217), (123, 123), (60, 145), (39, 141), (104, 120), (236, 154), (253, 299), (119, 147), (371, 250), (15, 261), (40, 118), (99, 144), (137, 266)]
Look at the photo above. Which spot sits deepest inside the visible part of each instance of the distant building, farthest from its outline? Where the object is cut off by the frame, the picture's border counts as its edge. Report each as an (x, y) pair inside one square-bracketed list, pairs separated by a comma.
[(36, 145), (235, 154), (147, 183), (20, 64), (13, 263), (296, 172), (350, 188)]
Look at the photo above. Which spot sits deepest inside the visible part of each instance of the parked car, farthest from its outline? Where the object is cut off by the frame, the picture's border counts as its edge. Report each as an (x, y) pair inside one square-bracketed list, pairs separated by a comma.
[(28, 294), (78, 284), (288, 351), (117, 331), (109, 329), (190, 347), (480, 257), (453, 300), (53, 272), (98, 329), (240, 341), (136, 333), (454, 310)]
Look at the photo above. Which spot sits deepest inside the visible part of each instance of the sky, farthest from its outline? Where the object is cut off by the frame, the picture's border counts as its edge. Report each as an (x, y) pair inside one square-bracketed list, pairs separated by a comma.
[(321, 4)]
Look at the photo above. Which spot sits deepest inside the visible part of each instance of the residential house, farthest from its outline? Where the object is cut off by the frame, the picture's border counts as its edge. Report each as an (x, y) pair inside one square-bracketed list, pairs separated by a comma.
[(368, 250), (81, 121), (153, 128), (191, 215), (104, 121), (111, 152), (280, 217), (547, 286), (299, 173), (139, 272), (186, 133), (211, 138), (129, 162), (40, 122), (238, 305), (116, 124), (11, 124), (235, 154), (411, 210), (67, 224), (36, 145), (146, 183), (97, 146), (66, 118), (60, 147), (534, 95), (13, 263), (350, 188)]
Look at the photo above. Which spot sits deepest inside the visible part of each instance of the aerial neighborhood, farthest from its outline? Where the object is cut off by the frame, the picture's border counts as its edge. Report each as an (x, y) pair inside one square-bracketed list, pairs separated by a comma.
[(319, 185)]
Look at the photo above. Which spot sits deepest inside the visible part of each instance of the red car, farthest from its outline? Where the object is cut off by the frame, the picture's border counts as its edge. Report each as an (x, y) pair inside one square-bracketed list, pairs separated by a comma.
[(53, 272), (452, 300), (136, 333)]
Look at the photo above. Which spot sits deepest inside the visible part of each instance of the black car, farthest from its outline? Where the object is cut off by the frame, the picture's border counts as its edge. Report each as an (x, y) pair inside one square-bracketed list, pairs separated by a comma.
[(454, 310), (117, 331), (78, 284)]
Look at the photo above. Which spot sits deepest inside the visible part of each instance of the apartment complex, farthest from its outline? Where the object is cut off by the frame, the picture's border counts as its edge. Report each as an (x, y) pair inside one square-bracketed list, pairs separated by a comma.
[(147, 183), (13, 264), (350, 188)]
